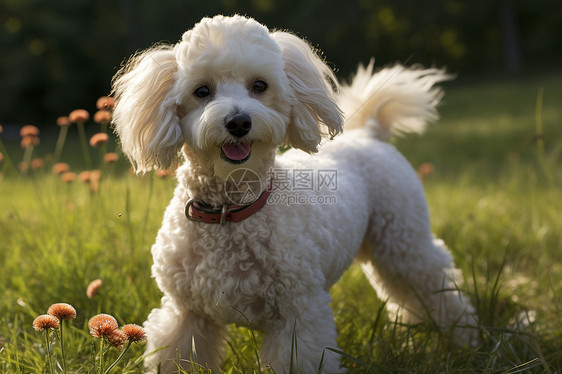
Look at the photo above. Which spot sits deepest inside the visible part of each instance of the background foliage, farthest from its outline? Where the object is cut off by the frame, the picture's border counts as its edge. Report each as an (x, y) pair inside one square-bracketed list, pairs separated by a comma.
[(60, 54)]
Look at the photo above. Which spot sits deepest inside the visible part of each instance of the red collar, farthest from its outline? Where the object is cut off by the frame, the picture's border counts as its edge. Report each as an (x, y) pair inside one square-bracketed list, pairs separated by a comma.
[(195, 210)]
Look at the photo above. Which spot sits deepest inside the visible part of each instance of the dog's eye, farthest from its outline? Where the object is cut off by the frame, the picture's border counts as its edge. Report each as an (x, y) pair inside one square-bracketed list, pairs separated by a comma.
[(259, 86), (202, 92)]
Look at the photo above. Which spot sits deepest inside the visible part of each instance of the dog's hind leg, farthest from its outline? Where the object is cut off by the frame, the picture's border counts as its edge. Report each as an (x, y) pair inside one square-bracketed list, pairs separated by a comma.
[(180, 338), (416, 274)]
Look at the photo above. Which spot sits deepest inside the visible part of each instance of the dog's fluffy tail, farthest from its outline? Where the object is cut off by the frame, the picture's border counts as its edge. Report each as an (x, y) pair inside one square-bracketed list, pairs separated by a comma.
[(391, 101)]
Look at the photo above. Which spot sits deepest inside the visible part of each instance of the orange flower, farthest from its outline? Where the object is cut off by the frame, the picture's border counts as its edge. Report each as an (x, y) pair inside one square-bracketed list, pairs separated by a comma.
[(425, 170), (135, 333), (23, 166), (29, 130), (1, 157), (94, 187), (68, 177), (95, 175), (106, 103), (164, 174), (62, 311), (111, 157), (1, 129), (29, 140), (99, 139), (117, 339), (102, 116), (84, 176), (63, 121), (36, 163), (78, 115), (102, 325), (45, 321), (93, 288), (60, 167)]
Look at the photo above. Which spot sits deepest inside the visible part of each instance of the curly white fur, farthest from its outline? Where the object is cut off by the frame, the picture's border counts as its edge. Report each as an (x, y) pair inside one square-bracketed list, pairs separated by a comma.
[(275, 269)]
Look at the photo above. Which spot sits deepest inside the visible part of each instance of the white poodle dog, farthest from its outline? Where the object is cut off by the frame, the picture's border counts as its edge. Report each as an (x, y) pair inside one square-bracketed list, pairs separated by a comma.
[(257, 238)]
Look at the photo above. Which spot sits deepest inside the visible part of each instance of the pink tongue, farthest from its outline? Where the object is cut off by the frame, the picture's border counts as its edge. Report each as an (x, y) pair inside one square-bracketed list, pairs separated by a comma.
[(236, 152)]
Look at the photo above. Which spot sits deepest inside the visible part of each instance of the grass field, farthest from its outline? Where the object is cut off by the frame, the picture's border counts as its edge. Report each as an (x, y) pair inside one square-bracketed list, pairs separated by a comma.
[(494, 195)]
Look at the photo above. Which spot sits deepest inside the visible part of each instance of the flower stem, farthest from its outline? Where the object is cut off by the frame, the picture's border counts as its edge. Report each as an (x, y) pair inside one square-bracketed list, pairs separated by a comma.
[(539, 136), (103, 151), (8, 164), (118, 358), (147, 211), (84, 143), (101, 356), (27, 155), (60, 143), (49, 358), (62, 348)]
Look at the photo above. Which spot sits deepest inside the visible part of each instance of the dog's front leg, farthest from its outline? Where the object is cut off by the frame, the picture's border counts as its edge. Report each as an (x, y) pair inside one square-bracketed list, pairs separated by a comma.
[(180, 338), (299, 345)]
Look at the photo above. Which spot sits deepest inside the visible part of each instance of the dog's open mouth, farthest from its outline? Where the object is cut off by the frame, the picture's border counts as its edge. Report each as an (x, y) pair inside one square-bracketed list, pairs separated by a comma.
[(236, 153)]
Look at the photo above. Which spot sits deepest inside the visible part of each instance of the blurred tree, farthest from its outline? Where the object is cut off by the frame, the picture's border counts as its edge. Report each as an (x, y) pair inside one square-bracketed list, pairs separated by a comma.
[(58, 55), (510, 35)]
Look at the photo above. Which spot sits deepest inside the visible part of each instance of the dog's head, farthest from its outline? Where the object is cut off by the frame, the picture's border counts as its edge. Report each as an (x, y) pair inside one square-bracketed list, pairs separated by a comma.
[(230, 91)]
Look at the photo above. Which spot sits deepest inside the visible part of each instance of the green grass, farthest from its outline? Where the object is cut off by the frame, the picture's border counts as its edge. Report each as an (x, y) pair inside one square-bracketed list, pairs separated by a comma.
[(494, 198)]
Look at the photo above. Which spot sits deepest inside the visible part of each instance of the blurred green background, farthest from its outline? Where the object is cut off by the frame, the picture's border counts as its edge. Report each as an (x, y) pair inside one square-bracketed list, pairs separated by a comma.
[(58, 55)]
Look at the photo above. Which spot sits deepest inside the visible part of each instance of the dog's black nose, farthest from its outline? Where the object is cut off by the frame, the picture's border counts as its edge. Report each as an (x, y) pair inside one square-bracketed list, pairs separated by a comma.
[(238, 124)]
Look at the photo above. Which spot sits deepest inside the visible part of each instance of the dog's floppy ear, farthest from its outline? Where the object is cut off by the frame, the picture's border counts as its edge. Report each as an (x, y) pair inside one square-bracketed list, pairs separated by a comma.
[(145, 115), (312, 83)]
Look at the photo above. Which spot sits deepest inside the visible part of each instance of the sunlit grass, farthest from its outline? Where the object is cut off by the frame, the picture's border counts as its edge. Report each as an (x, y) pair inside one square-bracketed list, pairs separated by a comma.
[(490, 200)]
